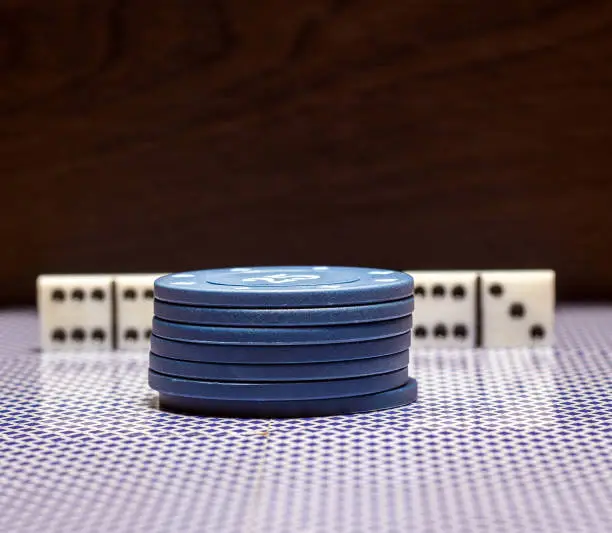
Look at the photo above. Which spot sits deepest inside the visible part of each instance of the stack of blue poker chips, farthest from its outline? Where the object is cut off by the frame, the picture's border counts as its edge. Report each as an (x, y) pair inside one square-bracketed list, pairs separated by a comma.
[(282, 341)]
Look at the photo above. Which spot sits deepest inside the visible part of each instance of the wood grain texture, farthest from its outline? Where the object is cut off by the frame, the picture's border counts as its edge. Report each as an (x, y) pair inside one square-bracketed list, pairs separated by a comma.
[(150, 135)]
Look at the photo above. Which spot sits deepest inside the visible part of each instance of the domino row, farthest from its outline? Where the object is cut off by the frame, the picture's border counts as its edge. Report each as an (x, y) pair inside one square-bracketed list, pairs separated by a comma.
[(453, 309)]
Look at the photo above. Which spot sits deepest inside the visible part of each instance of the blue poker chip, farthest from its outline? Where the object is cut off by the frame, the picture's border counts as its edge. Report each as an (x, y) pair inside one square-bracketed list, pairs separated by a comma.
[(389, 399), (294, 286), (280, 372), (304, 316), (286, 336), (278, 354), (287, 390)]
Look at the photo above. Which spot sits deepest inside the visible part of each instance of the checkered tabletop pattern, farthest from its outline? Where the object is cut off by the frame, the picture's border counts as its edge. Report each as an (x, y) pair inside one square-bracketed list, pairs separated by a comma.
[(499, 441)]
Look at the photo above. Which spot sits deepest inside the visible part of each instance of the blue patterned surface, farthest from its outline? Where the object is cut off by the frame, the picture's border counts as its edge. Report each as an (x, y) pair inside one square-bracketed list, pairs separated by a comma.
[(501, 441)]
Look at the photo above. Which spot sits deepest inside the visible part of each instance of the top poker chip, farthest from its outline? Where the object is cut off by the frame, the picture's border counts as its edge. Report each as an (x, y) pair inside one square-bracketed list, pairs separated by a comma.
[(293, 286)]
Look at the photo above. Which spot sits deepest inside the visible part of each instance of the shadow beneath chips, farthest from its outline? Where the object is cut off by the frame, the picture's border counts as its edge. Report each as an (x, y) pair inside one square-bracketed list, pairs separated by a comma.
[(151, 402)]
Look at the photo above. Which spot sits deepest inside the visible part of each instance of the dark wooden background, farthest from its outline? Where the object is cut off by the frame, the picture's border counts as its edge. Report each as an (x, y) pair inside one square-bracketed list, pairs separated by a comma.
[(150, 135)]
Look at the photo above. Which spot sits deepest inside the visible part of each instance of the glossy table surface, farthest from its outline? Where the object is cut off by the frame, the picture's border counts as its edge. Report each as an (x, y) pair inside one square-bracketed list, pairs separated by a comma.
[(502, 441)]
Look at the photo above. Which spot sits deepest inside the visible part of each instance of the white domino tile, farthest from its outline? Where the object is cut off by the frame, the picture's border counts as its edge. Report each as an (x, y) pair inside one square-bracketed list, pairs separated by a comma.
[(445, 309), (517, 308), (75, 312), (134, 310)]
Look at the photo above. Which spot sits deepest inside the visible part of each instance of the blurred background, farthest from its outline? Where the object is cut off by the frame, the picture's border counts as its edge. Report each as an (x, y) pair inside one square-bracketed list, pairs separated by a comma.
[(153, 136)]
